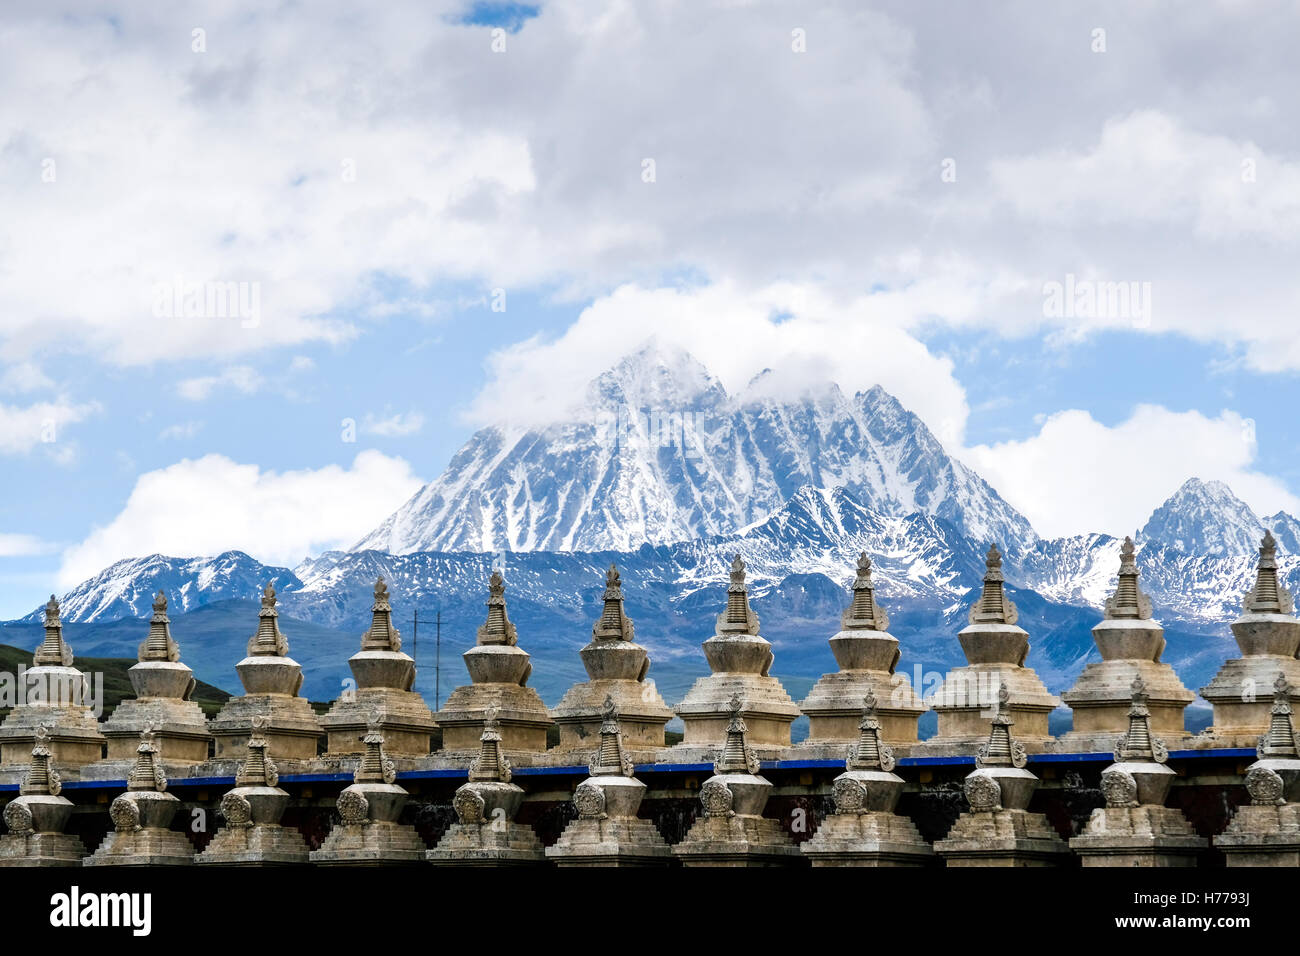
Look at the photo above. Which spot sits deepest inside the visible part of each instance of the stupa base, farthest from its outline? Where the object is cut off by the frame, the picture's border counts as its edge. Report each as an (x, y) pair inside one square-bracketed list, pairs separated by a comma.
[(834, 707), (488, 844), (258, 845), (867, 839), (146, 847), (1242, 694), (41, 849), (181, 730), (1004, 838), (580, 712), (614, 841), (75, 738), (1142, 836), (406, 722), (292, 734), (378, 843), (741, 840), (1262, 836), (521, 716), (768, 710)]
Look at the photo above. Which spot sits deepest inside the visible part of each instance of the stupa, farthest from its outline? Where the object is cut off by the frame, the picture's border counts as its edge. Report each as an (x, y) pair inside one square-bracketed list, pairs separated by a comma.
[(58, 697), (499, 670), (486, 833), (252, 811), (384, 677), (732, 830), (608, 831), (163, 686), (368, 832), (37, 816), (1135, 828), (142, 817), (271, 680), (867, 655), (739, 660), (1130, 643), (998, 829), (995, 649), (1266, 831), (865, 830), (1268, 635), (617, 667)]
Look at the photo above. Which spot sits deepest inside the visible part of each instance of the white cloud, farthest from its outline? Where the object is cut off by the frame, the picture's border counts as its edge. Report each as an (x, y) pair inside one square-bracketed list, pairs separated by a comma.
[(42, 425), (798, 330), (211, 504), (180, 431), (1078, 475), (23, 545), (24, 377), (240, 378), (393, 426)]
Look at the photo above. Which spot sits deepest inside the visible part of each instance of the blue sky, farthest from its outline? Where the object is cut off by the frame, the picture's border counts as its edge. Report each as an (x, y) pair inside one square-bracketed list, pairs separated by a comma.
[(845, 192)]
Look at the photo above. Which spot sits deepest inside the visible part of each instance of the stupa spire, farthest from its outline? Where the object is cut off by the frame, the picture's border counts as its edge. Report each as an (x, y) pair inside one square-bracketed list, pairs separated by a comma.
[(614, 624), (53, 650), (1138, 745), (869, 753), (739, 617), (610, 760), (1281, 739), (159, 645), (1268, 595), (737, 756), (1128, 603), (382, 636), (375, 767), (490, 764), (993, 607), (864, 614), (497, 629), (268, 641), (1001, 749), (147, 774), (258, 769), (41, 779)]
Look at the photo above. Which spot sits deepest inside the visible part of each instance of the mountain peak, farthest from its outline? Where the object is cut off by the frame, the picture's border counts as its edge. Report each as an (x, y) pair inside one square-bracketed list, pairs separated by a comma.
[(656, 375), (1205, 518)]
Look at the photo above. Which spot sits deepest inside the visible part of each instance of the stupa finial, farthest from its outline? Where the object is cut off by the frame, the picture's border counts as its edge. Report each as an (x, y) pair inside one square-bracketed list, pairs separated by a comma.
[(382, 635), (1137, 745), (375, 766), (614, 624), (1128, 603), (864, 614), (869, 753), (1280, 740), (610, 759), (41, 778), (258, 769), (993, 607), (739, 617), (498, 628), (53, 650), (147, 774), (490, 764), (268, 641), (159, 646), (1001, 750), (1268, 596), (737, 756)]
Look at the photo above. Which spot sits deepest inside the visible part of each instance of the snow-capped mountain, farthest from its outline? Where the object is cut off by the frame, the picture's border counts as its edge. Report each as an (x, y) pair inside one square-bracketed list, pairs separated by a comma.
[(127, 588), (1204, 518), (661, 453)]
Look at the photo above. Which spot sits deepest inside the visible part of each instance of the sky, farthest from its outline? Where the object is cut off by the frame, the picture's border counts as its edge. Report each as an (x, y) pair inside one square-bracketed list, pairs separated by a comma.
[(264, 268)]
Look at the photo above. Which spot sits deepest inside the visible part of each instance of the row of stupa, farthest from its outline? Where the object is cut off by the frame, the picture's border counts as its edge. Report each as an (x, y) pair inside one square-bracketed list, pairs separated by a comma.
[(740, 661), (997, 828)]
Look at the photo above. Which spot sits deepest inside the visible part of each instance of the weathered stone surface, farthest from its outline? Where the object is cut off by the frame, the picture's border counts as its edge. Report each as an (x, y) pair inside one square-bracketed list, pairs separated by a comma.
[(867, 655), (499, 671), (995, 648), (617, 668), (384, 677), (739, 660), (271, 682), (36, 818), (142, 817)]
